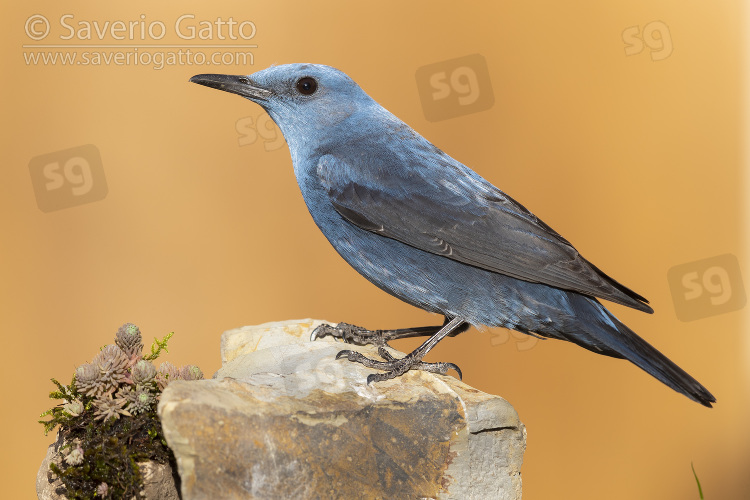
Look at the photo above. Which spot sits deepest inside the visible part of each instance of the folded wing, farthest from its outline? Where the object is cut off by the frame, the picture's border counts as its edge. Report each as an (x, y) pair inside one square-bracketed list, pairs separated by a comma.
[(446, 209)]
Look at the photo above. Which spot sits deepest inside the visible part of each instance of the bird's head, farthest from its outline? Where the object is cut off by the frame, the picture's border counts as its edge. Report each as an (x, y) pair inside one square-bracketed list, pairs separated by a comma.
[(301, 98)]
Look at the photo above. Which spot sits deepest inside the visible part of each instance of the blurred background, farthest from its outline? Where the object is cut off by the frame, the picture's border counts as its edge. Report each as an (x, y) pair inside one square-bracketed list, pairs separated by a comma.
[(133, 196)]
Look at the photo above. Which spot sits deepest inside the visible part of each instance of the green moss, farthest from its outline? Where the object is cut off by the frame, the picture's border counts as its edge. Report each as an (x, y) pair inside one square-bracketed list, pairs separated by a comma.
[(111, 453), (67, 393), (158, 346), (111, 448)]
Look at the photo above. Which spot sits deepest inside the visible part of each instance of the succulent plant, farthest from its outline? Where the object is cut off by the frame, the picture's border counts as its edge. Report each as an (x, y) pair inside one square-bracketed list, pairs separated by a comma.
[(75, 456), (108, 407), (119, 381), (128, 338), (167, 373), (111, 355), (102, 490), (143, 372), (87, 379), (125, 392), (140, 400), (73, 408), (191, 372), (113, 365)]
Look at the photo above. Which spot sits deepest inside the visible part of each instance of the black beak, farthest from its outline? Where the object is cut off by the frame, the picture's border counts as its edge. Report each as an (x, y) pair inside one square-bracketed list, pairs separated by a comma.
[(241, 85)]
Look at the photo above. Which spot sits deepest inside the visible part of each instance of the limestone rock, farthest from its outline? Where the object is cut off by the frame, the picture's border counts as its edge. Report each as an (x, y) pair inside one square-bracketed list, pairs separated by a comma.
[(283, 418)]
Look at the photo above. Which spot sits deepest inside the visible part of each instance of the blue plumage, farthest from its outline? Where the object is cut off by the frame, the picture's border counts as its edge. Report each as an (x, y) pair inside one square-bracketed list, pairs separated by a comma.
[(429, 230)]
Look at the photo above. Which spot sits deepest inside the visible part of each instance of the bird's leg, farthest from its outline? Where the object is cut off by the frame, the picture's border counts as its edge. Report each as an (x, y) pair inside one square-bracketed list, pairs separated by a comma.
[(413, 361), (352, 334)]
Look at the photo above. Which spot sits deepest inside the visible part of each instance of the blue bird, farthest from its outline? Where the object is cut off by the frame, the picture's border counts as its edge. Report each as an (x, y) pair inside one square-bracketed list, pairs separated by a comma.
[(429, 230)]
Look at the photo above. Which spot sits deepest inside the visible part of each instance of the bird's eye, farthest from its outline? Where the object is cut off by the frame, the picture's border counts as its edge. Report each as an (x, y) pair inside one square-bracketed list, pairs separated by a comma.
[(244, 80), (307, 85)]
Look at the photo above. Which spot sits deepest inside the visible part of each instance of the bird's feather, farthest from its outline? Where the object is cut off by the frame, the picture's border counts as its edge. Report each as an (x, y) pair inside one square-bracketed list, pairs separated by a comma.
[(465, 219)]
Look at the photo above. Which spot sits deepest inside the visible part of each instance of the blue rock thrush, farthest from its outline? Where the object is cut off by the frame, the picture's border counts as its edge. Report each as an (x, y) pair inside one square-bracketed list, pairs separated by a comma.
[(432, 232)]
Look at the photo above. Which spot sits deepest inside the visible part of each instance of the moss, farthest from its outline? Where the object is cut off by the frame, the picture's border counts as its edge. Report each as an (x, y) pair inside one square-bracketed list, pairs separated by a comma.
[(111, 449), (111, 454)]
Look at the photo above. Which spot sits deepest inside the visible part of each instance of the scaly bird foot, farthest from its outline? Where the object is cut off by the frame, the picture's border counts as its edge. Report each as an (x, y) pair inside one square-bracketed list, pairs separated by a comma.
[(394, 367), (352, 334)]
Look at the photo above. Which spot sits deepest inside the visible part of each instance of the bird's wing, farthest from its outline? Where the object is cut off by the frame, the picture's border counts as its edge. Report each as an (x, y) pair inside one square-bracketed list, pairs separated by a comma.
[(449, 210)]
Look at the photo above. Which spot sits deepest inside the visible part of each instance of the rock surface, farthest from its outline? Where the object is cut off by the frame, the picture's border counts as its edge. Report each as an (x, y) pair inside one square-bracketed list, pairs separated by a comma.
[(283, 418)]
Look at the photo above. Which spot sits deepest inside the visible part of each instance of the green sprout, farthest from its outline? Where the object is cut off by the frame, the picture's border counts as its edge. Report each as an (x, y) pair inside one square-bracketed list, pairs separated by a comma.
[(700, 490)]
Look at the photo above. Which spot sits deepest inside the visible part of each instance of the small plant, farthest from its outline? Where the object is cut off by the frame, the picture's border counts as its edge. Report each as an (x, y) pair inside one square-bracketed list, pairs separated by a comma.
[(107, 417), (700, 490)]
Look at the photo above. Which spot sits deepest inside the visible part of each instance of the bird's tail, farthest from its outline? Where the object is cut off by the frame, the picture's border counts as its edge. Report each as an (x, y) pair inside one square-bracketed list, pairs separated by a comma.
[(603, 333)]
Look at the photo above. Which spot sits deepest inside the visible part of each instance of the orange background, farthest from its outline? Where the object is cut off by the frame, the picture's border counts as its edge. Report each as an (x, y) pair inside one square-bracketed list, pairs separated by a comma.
[(639, 162)]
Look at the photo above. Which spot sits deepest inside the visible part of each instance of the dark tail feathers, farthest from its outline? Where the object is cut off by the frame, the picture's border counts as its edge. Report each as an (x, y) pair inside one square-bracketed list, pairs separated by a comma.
[(619, 341)]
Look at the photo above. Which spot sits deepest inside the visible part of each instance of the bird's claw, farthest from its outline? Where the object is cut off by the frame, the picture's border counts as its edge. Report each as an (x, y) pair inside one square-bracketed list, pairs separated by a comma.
[(344, 353), (323, 330), (394, 367), (454, 367)]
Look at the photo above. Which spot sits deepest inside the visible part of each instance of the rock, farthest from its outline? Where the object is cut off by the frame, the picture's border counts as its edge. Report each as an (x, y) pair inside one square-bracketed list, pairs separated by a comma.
[(158, 481), (48, 487), (283, 418)]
